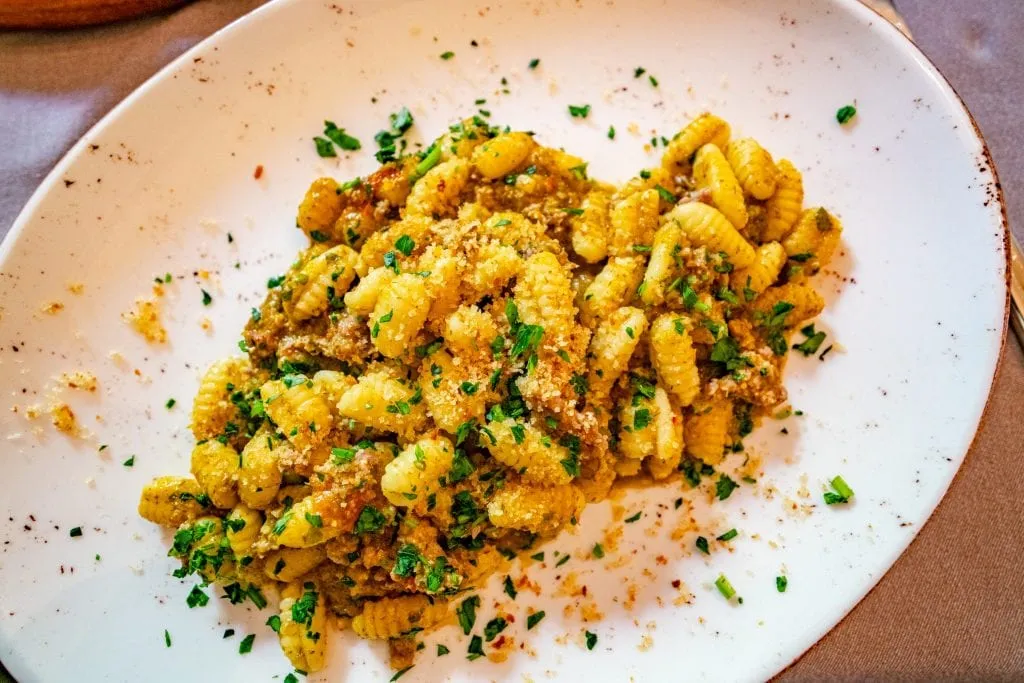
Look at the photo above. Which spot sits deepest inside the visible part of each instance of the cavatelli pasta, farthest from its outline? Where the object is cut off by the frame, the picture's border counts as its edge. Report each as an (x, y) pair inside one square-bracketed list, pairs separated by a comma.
[(300, 413), (215, 467), (303, 629), (442, 383), (242, 528), (213, 408), (668, 448), (784, 207), (417, 471), (637, 427), (707, 431), (590, 229), (711, 171), (304, 525), (753, 167), (526, 449), (321, 206), (259, 475), (813, 239), (382, 402), (806, 303), (290, 564), (768, 262), (613, 287), (393, 617), (502, 155), (320, 283), (537, 509), (437, 192), (704, 225), (171, 501), (633, 221), (674, 358), (703, 130), (611, 347), (361, 299), (399, 314), (664, 252), (544, 296)]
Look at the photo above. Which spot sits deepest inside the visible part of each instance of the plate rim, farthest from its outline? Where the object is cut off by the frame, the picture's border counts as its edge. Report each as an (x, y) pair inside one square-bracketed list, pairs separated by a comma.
[(51, 180)]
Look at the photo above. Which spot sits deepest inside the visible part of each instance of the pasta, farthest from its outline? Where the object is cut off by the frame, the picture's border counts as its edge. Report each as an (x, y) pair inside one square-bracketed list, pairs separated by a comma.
[(478, 340)]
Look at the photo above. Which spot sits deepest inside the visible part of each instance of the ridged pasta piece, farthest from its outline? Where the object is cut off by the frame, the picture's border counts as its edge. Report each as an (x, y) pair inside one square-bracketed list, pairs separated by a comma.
[(361, 299), (399, 314), (417, 471), (393, 617), (215, 467), (705, 129), (748, 282), (614, 287), (259, 476), (171, 501), (242, 527), (612, 346), (303, 525), (298, 411), (705, 225), (707, 430), (711, 171), (784, 207), (633, 221), (589, 231), (544, 296), (523, 447), (637, 427), (469, 331), (537, 509), (382, 402), (806, 302), (323, 279), (495, 267), (668, 449), (437, 192), (321, 206), (290, 564), (813, 239), (753, 167), (654, 177), (303, 630), (441, 383), (212, 408), (503, 154), (442, 284), (416, 228), (674, 358), (667, 242), (330, 385)]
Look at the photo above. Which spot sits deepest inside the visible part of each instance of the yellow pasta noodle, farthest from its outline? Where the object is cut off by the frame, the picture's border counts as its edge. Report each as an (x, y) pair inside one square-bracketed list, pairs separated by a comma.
[(768, 262), (535, 455), (393, 617), (438, 191), (711, 171), (417, 471), (321, 282), (614, 286), (707, 431), (215, 467), (638, 428), (303, 629), (300, 413), (668, 449), (384, 403), (703, 130), (171, 501), (289, 564), (259, 476), (674, 358), (806, 303), (633, 221), (242, 527), (590, 229), (704, 225), (537, 509), (753, 167), (502, 155), (213, 408), (667, 242), (784, 207), (399, 314), (612, 346)]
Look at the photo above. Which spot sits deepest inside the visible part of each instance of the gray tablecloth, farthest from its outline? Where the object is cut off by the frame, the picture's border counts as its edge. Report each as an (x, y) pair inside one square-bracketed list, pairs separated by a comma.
[(952, 607)]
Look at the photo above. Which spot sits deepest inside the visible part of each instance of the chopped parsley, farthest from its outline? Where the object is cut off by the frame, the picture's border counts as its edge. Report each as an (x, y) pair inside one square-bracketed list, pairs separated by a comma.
[(844, 114), (653, 80), (207, 299), (510, 588), (666, 195), (405, 244), (245, 647), (324, 147), (274, 622), (780, 583), (534, 63), (339, 137), (466, 612), (597, 551), (476, 648), (340, 456), (810, 346), (447, 55), (494, 627), (611, 132), (534, 619), (76, 532), (702, 545), (565, 558), (469, 388), (369, 521), (591, 639), (724, 487), (400, 673), (630, 520), (728, 535), (538, 556), (579, 111), (197, 598), (130, 462), (170, 403), (167, 638), (442, 650), (639, 71)]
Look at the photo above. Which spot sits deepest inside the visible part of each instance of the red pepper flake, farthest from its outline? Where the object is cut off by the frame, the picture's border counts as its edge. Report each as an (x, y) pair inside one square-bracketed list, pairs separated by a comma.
[(677, 583), (584, 590), (499, 642), (258, 173)]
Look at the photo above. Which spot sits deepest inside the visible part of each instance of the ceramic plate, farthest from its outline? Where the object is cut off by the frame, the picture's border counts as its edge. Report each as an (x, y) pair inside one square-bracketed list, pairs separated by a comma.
[(166, 184)]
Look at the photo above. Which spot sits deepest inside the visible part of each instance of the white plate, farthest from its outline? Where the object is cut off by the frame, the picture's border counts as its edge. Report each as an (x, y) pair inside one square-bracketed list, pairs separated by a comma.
[(919, 305)]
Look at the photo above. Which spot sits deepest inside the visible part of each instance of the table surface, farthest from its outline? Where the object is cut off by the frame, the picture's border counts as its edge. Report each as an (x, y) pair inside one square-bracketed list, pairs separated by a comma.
[(951, 607)]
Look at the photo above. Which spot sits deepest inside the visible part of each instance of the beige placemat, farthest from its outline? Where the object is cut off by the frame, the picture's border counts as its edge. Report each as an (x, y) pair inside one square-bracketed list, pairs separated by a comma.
[(951, 608)]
